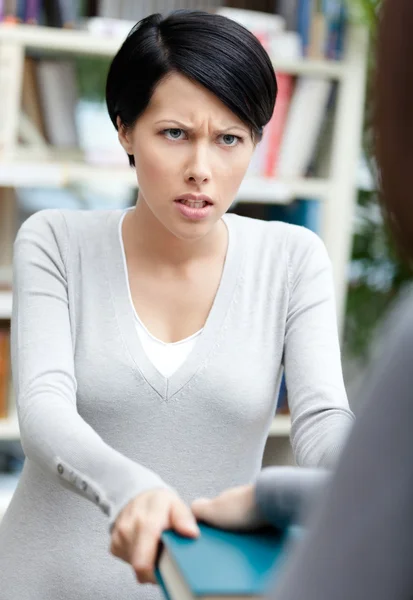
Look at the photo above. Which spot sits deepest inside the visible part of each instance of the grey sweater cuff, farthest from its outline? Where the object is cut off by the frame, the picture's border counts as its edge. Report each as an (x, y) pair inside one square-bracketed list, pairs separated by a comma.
[(285, 495)]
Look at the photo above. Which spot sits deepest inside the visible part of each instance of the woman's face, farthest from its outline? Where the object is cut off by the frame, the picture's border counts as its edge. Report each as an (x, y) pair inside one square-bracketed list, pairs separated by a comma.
[(191, 154)]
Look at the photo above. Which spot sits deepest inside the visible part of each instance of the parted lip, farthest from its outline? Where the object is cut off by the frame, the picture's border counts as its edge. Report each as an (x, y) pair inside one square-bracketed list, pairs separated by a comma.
[(194, 198)]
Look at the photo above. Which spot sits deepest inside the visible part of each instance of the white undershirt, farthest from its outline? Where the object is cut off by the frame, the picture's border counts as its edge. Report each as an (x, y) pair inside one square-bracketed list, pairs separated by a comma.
[(165, 357)]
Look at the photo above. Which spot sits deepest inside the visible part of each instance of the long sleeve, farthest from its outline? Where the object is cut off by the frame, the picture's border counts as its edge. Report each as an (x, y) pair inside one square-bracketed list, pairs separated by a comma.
[(53, 434), (285, 495), (360, 539), (321, 417)]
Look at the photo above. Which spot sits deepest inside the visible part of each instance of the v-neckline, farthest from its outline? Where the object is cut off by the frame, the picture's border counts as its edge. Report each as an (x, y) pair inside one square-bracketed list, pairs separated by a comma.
[(167, 387)]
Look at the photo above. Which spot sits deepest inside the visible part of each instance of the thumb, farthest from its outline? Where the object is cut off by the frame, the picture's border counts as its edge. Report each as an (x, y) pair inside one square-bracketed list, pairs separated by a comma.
[(183, 521)]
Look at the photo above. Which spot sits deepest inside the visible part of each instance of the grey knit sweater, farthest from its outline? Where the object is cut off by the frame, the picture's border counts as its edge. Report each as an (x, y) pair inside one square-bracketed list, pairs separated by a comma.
[(98, 419)]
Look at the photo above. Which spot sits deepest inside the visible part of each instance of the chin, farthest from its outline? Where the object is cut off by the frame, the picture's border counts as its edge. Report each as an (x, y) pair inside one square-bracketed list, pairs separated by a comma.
[(192, 231)]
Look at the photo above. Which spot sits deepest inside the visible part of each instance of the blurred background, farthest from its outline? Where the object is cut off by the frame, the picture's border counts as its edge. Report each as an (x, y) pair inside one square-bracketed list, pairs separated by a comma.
[(314, 166)]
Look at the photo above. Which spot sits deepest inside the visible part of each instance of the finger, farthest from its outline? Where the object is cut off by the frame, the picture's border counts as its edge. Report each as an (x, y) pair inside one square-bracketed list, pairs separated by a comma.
[(116, 547), (183, 520), (121, 538), (144, 553)]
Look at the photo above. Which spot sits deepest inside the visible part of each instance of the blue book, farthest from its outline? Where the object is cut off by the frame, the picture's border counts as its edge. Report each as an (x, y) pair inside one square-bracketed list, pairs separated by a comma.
[(304, 16), (219, 565)]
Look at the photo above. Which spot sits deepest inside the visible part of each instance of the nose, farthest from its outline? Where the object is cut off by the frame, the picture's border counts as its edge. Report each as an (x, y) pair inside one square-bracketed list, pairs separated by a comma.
[(198, 169)]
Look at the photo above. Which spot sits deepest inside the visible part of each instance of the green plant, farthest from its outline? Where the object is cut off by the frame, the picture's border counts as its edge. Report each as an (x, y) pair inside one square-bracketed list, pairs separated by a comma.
[(91, 77)]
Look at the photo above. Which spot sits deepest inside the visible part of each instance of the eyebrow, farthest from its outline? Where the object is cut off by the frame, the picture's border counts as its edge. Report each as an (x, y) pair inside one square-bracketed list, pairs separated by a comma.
[(188, 128)]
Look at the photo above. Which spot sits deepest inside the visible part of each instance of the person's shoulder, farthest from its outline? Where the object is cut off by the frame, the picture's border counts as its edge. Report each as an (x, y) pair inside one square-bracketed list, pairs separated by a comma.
[(259, 229), (299, 240), (59, 223), (302, 239)]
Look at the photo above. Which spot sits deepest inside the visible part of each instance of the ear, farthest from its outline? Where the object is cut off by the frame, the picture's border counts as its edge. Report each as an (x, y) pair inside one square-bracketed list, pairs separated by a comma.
[(124, 136)]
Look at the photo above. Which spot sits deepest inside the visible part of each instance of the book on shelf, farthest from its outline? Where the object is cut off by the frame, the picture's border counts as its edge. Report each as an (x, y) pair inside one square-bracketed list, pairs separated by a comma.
[(310, 97), (31, 102), (58, 98), (4, 371), (321, 25), (219, 564)]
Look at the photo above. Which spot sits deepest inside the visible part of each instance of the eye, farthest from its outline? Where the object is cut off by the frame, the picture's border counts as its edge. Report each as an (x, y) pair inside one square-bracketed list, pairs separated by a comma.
[(230, 140), (173, 134)]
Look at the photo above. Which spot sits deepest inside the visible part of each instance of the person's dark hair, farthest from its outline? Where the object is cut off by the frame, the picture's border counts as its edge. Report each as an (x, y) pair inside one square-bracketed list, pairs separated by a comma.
[(209, 49), (394, 119)]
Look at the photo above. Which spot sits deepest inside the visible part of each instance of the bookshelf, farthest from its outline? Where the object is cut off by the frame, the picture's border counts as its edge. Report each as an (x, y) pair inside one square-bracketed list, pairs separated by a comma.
[(65, 41), (337, 192), (5, 305)]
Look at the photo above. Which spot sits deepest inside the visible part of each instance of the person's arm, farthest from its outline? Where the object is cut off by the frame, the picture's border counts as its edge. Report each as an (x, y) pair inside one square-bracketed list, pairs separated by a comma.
[(281, 496), (52, 432), (360, 539), (285, 495), (321, 417)]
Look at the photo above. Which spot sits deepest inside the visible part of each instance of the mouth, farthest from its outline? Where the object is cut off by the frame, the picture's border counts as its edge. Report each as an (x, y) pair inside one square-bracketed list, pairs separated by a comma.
[(194, 207), (194, 201)]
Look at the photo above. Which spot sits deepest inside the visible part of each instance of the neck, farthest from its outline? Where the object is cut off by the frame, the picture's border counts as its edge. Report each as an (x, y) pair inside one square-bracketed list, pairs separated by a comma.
[(146, 237)]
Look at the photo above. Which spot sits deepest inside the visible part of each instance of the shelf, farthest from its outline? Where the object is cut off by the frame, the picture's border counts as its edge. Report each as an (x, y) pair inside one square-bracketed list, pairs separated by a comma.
[(50, 39), (20, 173), (8, 484), (281, 426), (61, 40), (9, 429), (5, 499), (273, 191), (5, 305)]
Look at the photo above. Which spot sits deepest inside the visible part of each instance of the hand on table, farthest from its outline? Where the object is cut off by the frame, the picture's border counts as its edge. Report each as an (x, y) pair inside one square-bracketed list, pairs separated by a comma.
[(138, 528)]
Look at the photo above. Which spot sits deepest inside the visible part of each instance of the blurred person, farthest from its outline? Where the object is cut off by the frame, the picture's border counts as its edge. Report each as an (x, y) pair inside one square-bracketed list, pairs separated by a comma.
[(148, 344), (359, 542)]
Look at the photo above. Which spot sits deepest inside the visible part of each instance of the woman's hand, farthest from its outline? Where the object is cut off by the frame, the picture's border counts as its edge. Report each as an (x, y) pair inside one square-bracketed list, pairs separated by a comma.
[(138, 528), (233, 509)]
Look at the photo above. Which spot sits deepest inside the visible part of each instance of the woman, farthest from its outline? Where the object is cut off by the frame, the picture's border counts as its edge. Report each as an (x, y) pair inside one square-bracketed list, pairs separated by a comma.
[(148, 344), (359, 544)]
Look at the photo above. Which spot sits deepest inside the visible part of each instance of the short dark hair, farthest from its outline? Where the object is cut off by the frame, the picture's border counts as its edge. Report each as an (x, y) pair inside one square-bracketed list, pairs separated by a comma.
[(208, 48)]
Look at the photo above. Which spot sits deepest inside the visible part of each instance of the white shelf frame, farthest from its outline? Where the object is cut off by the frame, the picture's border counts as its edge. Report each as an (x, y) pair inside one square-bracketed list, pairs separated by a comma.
[(5, 499), (5, 305), (337, 193), (280, 426), (52, 40), (9, 429)]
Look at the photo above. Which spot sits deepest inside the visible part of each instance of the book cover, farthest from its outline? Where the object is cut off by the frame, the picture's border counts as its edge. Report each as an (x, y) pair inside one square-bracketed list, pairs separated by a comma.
[(304, 17), (276, 126), (4, 372), (301, 133), (219, 564)]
